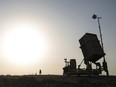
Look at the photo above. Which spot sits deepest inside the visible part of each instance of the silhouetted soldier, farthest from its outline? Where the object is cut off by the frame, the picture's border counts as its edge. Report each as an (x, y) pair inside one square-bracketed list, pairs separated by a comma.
[(40, 72)]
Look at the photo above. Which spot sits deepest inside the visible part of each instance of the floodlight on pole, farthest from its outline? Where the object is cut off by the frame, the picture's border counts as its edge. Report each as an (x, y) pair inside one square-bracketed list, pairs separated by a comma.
[(105, 68), (96, 17)]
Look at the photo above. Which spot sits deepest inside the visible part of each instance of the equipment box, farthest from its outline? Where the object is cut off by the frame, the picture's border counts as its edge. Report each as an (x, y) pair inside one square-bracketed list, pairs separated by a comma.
[(91, 47)]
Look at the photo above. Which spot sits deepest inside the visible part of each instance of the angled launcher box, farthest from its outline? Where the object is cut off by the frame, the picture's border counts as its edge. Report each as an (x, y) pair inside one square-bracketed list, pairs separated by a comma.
[(91, 47)]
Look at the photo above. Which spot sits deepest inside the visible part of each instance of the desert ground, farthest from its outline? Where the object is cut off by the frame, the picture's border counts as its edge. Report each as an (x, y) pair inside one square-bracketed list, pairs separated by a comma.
[(57, 81)]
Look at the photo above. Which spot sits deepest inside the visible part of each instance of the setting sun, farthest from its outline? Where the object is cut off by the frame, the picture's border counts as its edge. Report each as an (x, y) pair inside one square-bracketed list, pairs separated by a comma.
[(24, 44)]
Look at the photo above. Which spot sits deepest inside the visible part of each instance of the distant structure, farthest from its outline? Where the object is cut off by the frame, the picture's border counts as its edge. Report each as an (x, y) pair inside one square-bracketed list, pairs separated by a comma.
[(92, 52)]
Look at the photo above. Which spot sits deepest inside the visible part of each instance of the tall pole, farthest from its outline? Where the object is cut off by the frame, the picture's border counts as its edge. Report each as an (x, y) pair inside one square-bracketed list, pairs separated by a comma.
[(105, 67), (100, 35)]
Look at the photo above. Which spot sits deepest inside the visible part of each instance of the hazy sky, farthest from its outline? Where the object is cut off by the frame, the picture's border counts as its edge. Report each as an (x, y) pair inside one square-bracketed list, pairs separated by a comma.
[(61, 24)]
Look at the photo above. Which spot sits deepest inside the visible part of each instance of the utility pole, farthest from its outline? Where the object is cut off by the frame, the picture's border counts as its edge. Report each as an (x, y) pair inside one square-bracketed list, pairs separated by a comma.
[(105, 67)]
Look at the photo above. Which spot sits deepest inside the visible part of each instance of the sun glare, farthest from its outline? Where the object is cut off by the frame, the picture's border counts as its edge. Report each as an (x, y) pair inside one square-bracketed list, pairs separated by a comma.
[(24, 44)]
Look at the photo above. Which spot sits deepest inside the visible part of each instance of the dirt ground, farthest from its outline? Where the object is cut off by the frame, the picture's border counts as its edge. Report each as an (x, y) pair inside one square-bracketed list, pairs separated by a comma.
[(57, 81)]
